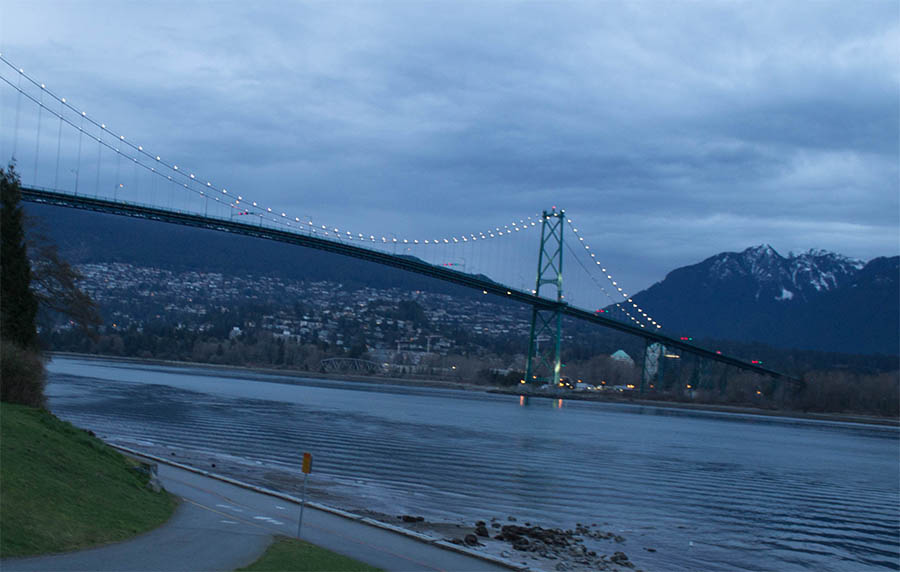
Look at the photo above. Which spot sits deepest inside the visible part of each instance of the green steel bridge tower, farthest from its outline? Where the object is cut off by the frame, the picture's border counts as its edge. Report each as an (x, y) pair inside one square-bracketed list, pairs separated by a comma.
[(543, 365)]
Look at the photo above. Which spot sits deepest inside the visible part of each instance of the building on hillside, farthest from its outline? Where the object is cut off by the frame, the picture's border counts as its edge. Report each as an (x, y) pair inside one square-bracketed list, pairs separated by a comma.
[(621, 356)]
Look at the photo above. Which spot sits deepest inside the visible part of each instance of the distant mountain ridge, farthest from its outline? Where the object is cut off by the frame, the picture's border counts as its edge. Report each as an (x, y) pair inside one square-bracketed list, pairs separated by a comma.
[(812, 300)]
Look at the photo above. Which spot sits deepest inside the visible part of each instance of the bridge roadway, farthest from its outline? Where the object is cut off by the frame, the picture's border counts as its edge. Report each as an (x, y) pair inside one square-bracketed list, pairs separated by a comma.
[(56, 198)]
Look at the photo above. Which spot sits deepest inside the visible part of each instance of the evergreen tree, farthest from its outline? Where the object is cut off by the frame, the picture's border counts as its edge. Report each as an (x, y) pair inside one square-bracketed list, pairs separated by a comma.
[(18, 304)]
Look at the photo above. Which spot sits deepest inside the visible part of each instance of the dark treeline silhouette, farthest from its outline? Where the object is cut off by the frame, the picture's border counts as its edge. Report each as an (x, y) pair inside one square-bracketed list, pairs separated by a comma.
[(33, 278)]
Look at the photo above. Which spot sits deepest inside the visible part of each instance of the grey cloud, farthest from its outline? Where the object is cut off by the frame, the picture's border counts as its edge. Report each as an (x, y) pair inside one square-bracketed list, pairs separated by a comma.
[(742, 123)]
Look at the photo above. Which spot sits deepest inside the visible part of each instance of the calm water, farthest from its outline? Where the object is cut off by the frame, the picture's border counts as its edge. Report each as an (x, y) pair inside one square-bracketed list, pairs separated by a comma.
[(708, 491)]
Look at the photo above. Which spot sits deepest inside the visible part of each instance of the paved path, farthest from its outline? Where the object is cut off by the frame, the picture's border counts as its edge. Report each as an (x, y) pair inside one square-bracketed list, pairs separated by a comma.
[(220, 526)]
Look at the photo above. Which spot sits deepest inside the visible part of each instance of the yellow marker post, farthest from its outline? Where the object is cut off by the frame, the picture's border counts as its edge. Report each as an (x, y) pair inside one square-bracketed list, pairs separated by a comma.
[(306, 467)]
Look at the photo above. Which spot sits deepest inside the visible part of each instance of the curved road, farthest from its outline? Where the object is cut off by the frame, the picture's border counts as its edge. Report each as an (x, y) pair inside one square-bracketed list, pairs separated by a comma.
[(221, 526)]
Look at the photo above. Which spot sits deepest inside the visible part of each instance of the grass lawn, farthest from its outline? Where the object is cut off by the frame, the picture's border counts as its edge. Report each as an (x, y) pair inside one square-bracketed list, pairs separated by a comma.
[(292, 555), (61, 489)]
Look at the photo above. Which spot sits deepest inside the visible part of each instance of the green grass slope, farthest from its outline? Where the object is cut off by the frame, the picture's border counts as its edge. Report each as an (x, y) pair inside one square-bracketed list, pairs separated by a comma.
[(62, 489), (292, 555)]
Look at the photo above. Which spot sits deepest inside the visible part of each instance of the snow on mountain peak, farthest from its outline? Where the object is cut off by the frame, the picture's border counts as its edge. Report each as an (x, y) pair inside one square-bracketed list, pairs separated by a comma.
[(786, 279), (761, 251)]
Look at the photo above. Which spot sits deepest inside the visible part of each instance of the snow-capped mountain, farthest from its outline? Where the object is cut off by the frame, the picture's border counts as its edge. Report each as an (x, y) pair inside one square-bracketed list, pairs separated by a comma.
[(815, 300), (781, 278)]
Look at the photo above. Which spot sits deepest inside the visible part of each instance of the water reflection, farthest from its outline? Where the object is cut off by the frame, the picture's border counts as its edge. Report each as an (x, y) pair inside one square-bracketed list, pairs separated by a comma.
[(736, 481)]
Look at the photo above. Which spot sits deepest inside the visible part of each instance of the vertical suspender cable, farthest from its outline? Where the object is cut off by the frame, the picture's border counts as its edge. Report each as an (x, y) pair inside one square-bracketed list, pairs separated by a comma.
[(58, 146), (136, 179), (18, 107), (116, 184), (99, 154), (37, 142), (78, 164)]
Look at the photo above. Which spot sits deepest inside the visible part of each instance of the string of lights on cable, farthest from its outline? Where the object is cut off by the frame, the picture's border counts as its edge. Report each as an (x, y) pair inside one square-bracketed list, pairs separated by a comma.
[(615, 301), (619, 290), (240, 205)]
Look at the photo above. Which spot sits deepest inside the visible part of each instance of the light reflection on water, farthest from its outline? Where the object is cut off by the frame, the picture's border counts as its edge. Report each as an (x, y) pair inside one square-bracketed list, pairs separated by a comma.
[(708, 490)]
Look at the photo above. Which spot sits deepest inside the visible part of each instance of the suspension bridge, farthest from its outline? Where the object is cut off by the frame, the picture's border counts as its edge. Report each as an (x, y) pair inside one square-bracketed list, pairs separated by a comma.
[(70, 159)]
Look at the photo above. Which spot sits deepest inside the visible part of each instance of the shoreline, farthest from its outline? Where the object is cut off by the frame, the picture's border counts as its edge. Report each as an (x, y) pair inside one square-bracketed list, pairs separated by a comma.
[(517, 542), (856, 418)]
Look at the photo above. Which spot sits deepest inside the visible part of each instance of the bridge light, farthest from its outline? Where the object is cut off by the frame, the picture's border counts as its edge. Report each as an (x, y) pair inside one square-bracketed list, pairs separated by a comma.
[(157, 157), (140, 148), (83, 114), (63, 100), (103, 126)]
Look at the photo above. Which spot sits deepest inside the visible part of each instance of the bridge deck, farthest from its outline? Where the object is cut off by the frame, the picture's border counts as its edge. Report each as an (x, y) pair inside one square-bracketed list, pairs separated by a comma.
[(46, 196)]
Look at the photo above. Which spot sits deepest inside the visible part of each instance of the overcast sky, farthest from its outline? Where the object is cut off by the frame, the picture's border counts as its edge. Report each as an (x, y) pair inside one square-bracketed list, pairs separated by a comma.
[(670, 131)]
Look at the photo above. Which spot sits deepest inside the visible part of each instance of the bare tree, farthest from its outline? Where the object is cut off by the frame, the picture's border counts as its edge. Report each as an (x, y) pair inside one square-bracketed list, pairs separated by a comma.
[(55, 282)]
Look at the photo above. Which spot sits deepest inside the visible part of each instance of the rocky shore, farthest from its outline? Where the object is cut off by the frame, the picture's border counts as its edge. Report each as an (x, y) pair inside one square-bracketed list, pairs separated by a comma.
[(586, 547)]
